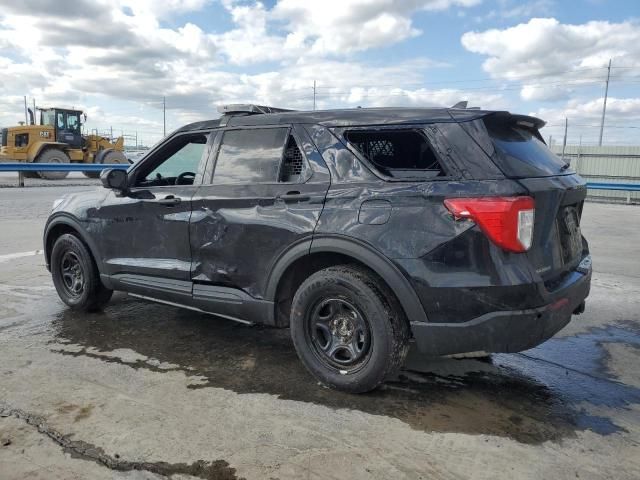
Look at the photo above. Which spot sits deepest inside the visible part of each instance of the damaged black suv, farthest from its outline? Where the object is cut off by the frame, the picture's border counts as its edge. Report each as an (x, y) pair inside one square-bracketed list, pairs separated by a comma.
[(366, 231)]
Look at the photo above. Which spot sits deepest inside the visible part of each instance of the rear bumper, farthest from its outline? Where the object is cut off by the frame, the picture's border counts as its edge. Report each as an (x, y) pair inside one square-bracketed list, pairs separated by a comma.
[(507, 331)]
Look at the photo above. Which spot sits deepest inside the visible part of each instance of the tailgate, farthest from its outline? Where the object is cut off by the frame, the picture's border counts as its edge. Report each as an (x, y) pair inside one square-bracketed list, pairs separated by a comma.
[(557, 245)]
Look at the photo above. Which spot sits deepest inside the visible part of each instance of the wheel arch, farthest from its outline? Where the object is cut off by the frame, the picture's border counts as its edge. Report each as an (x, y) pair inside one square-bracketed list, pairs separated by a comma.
[(310, 256), (62, 224)]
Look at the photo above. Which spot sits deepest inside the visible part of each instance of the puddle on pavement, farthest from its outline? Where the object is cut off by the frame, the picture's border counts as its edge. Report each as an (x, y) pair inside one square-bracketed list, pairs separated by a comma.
[(516, 396)]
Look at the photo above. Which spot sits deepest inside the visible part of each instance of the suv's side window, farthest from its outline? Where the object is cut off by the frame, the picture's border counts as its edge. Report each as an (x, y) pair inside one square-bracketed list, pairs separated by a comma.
[(261, 155), (177, 164), (397, 153)]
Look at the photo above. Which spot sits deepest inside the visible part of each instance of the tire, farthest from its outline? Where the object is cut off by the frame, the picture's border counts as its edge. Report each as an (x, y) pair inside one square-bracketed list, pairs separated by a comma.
[(76, 276), (348, 328), (114, 156), (53, 155)]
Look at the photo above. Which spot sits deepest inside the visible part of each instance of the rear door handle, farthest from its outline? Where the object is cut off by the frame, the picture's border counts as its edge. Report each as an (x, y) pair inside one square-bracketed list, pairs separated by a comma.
[(169, 200), (294, 196)]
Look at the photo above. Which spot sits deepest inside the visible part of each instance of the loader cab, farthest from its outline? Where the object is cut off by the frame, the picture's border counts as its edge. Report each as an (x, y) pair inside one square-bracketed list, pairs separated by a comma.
[(66, 124)]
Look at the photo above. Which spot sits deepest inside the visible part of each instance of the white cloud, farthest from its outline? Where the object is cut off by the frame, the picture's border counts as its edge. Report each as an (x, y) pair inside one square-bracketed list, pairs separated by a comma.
[(544, 48), (330, 27), (618, 110), (122, 51), (584, 115)]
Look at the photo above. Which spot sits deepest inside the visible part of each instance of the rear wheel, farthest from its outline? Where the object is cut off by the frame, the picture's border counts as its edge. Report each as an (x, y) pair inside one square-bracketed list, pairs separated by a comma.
[(53, 155), (114, 156), (348, 328), (76, 276)]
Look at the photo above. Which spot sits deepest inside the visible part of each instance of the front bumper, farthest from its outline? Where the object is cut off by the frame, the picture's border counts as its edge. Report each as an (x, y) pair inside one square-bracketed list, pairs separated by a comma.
[(507, 331)]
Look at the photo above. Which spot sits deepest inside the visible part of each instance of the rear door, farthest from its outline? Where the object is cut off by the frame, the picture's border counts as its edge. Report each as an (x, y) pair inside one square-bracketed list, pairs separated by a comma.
[(264, 197)]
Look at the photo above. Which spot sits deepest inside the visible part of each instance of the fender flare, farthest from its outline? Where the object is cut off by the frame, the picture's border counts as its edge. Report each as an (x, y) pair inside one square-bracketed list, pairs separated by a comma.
[(69, 221), (360, 251)]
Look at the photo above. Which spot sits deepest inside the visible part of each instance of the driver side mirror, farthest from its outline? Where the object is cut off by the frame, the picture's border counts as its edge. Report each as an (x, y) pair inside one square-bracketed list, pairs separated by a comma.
[(115, 179)]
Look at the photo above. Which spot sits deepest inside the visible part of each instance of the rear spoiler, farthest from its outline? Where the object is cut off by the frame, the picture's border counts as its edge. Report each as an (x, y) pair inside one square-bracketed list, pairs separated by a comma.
[(525, 121)]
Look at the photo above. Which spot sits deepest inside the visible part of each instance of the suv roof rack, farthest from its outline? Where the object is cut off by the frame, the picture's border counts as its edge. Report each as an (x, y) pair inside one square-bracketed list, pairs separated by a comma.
[(248, 108)]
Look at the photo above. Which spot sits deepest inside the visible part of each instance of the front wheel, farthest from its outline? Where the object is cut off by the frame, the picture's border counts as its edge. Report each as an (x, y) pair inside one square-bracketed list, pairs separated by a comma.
[(53, 155), (76, 276), (348, 328)]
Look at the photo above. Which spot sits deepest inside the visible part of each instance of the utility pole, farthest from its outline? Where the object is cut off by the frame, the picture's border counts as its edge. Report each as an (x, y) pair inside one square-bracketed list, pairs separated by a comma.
[(314, 94), (136, 139), (164, 116), (111, 134), (604, 105), (564, 142), (26, 114), (35, 114)]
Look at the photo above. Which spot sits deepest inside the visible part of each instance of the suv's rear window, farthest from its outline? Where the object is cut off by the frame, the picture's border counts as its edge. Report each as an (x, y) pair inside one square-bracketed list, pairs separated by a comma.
[(520, 153), (397, 153)]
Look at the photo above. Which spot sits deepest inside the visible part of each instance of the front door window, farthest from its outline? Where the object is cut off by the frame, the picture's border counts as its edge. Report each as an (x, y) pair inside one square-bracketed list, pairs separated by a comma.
[(177, 164)]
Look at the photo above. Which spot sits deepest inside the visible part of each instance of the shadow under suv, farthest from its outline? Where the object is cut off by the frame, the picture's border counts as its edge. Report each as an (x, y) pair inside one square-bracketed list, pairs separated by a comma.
[(365, 231)]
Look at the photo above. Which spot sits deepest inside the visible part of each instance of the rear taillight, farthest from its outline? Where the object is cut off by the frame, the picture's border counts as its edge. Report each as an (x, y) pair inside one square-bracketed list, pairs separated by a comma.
[(507, 221)]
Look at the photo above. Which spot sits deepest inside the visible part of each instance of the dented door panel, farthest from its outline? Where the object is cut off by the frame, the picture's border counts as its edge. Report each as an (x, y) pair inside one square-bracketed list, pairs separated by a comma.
[(139, 234), (238, 232)]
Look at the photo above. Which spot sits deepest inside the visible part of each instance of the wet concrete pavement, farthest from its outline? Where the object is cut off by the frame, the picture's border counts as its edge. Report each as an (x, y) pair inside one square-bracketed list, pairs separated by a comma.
[(149, 391)]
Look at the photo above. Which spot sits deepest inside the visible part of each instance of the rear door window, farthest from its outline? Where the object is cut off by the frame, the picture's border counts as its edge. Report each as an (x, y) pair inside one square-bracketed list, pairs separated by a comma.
[(250, 156), (397, 153), (520, 152)]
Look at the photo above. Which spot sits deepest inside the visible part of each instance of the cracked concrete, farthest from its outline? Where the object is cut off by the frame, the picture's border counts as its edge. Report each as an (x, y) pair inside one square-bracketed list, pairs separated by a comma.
[(215, 470), (143, 391)]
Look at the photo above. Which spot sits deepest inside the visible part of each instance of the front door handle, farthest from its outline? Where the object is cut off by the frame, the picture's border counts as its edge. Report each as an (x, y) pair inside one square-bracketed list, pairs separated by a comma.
[(169, 200)]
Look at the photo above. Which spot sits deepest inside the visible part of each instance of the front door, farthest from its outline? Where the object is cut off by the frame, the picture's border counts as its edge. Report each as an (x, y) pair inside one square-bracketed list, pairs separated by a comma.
[(265, 196), (68, 128), (146, 232)]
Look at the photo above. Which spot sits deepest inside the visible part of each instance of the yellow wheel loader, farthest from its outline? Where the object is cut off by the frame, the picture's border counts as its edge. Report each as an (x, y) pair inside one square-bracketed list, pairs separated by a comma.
[(58, 139)]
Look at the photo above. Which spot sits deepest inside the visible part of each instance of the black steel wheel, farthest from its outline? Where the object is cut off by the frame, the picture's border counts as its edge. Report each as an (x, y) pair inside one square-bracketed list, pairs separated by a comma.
[(72, 274), (76, 276), (348, 328), (339, 333)]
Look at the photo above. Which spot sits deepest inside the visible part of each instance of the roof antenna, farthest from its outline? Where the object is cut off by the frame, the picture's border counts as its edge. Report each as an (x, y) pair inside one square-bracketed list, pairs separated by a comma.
[(462, 104)]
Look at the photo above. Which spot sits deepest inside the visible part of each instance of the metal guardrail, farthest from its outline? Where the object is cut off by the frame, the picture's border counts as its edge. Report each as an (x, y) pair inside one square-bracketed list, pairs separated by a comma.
[(60, 167), (625, 187), (22, 167), (631, 187)]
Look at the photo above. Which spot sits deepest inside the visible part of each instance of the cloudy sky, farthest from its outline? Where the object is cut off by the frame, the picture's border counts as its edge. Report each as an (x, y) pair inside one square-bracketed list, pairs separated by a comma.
[(117, 59)]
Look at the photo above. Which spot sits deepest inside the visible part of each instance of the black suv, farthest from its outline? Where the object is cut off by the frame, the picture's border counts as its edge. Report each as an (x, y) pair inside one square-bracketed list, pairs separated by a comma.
[(365, 231)]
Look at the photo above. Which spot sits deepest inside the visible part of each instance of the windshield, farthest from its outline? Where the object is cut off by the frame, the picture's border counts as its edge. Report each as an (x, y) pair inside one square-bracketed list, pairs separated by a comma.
[(521, 153)]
